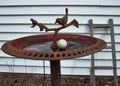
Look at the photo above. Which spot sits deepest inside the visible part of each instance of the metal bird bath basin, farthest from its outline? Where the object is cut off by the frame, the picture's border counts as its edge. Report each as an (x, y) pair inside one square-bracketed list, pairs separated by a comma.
[(82, 46), (44, 47)]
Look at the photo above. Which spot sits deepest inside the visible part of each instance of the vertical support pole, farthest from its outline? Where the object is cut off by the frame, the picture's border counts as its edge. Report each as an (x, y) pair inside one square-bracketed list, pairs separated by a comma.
[(92, 72), (55, 73), (113, 52)]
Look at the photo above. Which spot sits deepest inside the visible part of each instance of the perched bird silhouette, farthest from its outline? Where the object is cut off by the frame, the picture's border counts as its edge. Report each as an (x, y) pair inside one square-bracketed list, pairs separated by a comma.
[(63, 21), (40, 25)]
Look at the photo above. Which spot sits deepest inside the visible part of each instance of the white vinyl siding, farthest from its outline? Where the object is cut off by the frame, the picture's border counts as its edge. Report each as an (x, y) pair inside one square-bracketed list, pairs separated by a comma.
[(15, 22)]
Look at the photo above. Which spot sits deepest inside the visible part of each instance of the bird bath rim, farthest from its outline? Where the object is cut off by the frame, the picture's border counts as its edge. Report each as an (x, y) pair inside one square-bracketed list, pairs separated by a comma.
[(15, 47)]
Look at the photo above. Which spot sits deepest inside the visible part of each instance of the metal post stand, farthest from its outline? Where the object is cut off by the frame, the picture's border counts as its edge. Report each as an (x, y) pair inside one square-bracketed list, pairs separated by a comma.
[(55, 73)]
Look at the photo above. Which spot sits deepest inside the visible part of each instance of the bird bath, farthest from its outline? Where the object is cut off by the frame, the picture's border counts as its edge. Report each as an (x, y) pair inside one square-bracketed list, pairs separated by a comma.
[(43, 47)]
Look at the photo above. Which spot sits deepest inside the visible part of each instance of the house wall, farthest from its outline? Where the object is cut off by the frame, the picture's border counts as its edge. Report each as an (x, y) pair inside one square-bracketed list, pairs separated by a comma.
[(15, 22)]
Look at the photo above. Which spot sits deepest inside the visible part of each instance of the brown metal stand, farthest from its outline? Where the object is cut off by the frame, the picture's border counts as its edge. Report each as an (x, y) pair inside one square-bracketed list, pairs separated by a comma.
[(55, 73)]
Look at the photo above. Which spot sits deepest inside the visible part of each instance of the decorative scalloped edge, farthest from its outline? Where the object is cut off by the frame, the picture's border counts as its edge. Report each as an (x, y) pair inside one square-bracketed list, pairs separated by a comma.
[(62, 55)]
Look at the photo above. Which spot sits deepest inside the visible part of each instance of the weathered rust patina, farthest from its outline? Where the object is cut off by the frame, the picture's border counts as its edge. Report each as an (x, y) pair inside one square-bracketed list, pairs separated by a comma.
[(16, 47), (62, 21)]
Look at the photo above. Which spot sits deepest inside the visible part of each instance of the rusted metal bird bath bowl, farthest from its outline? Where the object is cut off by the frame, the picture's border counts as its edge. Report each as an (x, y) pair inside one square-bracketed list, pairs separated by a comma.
[(81, 46), (44, 47)]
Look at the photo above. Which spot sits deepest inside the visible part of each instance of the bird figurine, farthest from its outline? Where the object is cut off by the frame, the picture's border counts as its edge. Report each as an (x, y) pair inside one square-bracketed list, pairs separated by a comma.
[(63, 21), (40, 25)]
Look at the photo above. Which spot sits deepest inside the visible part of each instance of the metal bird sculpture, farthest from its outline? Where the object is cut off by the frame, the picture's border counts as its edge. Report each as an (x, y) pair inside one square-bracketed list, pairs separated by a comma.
[(62, 21), (40, 25)]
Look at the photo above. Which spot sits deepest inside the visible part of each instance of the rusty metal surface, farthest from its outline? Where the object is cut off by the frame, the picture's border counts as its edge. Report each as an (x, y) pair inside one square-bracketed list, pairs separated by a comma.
[(15, 47), (61, 21)]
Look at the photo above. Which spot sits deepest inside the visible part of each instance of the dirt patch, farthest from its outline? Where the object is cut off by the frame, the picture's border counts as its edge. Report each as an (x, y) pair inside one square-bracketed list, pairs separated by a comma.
[(20, 79)]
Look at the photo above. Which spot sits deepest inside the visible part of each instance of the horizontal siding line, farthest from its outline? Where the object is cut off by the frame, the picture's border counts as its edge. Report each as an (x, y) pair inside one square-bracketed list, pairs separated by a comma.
[(4, 40), (24, 24), (30, 24), (41, 33), (60, 5), (105, 50), (22, 73), (78, 67), (115, 42), (26, 33), (117, 15), (45, 33), (40, 66), (105, 33), (12, 66), (43, 23), (8, 57), (74, 67)]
